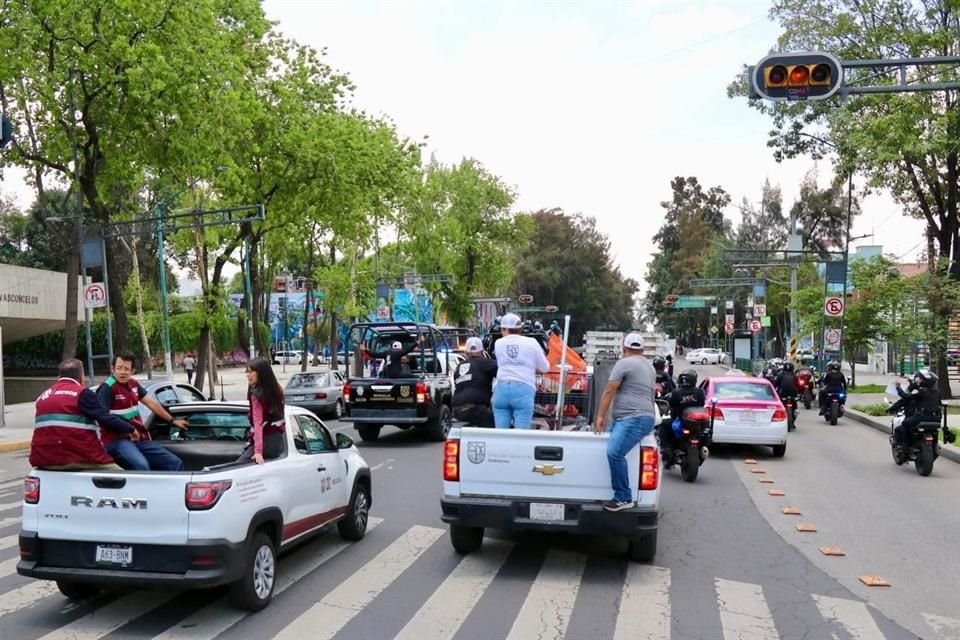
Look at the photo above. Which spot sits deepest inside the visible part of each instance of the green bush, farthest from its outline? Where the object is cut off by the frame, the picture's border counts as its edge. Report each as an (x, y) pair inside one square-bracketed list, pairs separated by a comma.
[(878, 409), (868, 388)]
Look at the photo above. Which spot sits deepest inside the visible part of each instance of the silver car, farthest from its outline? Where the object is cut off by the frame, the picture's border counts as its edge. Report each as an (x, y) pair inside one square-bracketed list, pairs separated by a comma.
[(318, 391)]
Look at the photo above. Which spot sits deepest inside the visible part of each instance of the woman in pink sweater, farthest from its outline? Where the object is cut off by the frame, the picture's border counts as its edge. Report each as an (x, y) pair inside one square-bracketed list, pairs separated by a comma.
[(267, 419)]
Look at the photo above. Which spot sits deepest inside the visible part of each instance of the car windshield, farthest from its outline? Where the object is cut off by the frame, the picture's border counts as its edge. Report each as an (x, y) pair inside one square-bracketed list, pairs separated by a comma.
[(210, 425), (743, 391)]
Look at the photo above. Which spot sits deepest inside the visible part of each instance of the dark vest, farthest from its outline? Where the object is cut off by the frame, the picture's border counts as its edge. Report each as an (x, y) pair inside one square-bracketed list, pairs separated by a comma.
[(126, 405)]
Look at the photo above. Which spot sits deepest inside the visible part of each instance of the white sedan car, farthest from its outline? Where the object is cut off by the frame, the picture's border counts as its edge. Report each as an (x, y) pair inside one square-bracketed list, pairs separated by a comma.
[(287, 357), (706, 356)]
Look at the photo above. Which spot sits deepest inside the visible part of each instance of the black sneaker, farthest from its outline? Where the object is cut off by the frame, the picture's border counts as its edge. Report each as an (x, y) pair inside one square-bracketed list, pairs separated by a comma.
[(615, 505)]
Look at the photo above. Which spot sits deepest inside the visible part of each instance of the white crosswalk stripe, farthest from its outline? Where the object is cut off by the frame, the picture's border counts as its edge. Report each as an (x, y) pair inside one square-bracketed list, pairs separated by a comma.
[(6, 522), (12, 484), (9, 541), (852, 616), (110, 617), (646, 596), (546, 612), (440, 618), (8, 567), (26, 596), (744, 613), (325, 619), (215, 618)]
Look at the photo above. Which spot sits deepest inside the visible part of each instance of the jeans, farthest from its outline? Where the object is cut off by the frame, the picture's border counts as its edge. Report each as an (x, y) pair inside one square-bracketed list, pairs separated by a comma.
[(625, 434), (143, 455), (189, 376), (513, 400)]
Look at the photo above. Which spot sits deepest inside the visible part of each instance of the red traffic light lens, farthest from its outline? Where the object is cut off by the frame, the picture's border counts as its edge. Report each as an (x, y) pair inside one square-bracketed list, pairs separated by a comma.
[(820, 74), (799, 76), (777, 75)]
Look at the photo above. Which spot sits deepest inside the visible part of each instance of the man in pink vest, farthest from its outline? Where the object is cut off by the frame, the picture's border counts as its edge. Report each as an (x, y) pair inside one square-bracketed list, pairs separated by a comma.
[(122, 395), (65, 433)]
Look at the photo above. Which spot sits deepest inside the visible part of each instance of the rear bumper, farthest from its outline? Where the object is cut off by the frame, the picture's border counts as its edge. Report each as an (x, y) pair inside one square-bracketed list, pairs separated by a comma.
[(762, 435), (221, 562), (384, 419), (579, 517), (314, 405)]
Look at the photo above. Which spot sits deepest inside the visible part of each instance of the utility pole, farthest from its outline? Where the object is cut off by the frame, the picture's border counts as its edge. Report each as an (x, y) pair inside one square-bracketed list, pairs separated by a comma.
[(246, 284), (793, 282)]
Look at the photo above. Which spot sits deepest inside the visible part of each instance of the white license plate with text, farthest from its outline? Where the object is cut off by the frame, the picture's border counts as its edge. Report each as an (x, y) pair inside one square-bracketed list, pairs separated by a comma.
[(114, 555), (299, 398), (546, 511)]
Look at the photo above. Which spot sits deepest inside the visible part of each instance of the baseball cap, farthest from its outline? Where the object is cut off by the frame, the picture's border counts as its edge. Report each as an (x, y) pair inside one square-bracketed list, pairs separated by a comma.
[(510, 321), (633, 340), (396, 346), (474, 345)]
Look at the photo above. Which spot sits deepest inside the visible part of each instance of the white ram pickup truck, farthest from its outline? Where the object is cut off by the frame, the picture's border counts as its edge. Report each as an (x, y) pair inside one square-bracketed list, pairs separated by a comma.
[(511, 479), (216, 523)]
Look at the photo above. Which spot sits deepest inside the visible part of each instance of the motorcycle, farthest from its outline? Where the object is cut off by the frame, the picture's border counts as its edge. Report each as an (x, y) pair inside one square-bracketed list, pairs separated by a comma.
[(833, 407), (790, 405), (923, 448), (693, 434), (805, 388)]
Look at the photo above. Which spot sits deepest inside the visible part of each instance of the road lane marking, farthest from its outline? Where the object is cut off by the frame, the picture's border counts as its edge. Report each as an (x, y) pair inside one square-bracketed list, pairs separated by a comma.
[(9, 567), (945, 628), (385, 462), (215, 618), (111, 617), (442, 615), (326, 618), (10, 484), (9, 541), (6, 522), (25, 596), (744, 614), (852, 615), (646, 597), (546, 612)]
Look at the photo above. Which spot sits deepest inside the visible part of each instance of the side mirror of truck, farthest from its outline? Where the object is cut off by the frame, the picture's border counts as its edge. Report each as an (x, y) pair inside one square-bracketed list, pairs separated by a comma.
[(344, 441)]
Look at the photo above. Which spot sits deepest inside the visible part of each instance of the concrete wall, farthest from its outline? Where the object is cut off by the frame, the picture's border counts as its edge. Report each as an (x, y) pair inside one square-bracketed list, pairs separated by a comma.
[(32, 302), (17, 390)]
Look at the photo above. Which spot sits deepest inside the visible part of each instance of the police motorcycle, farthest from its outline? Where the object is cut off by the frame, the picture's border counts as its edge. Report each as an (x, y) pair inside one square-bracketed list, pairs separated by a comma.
[(692, 435), (923, 447)]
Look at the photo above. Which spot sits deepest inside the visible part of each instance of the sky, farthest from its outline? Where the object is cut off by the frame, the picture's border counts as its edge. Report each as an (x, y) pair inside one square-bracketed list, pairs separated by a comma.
[(592, 107)]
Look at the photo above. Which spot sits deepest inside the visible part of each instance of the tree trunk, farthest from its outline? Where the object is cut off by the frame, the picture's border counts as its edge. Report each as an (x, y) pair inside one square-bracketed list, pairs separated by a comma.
[(853, 374), (73, 296), (334, 341), (256, 285), (131, 248), (306, 331), (117, 307), (203, 351)]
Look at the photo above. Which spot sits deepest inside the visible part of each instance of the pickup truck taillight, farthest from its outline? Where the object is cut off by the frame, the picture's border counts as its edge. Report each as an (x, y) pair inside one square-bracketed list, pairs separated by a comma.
[(346, 393), (420, 389), (451, 461), (31, 490), (649, 468), (201, 496)]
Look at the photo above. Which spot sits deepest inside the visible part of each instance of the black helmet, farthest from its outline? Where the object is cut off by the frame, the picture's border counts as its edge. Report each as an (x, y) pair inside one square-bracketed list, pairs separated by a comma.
[(659, 363), (688, 378), (833, 365), (669, 358), (789, 367), (925, 378)]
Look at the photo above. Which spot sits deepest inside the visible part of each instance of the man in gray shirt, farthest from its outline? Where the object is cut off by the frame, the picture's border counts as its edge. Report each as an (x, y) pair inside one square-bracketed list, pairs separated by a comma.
[(631, 389)]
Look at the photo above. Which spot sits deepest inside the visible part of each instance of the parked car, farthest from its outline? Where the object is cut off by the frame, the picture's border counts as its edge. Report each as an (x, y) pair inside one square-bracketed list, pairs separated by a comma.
[(217, 522), (287, 357), (167, 392), (746, 411), (805, 356), (706, 356), (319, 391)]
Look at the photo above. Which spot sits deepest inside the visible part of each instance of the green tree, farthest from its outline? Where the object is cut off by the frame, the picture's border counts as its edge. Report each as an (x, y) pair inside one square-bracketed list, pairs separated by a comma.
[(877, 290)]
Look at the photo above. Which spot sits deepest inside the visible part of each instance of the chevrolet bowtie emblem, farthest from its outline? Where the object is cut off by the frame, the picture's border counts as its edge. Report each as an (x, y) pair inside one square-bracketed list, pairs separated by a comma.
[(548, 469)]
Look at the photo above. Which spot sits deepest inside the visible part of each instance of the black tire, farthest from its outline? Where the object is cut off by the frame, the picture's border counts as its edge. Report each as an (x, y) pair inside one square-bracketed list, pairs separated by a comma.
[(691, 464), (791, 420), (337, 412), (465, 539), (439, 427), (354, 524), (77, 590), (897, 460), (807, 402), (369, 432), (255, 589), (834, 414), (642, 548), (924, 461), (703, 361), (779, 450)]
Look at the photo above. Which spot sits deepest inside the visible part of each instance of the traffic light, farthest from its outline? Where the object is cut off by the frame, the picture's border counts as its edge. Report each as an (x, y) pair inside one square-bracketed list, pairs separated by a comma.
[(6, 131), (812, 75)]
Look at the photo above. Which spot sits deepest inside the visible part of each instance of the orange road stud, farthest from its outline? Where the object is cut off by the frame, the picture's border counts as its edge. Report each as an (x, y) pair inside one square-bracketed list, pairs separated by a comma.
[(832, 551), (758, 470), (806, 528), (874, 581), (791, 511), (776, 492), (766, 480), (749, 461)]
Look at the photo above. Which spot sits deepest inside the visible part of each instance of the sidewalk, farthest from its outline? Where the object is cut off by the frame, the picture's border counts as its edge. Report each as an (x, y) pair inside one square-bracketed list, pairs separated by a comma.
[(16, 434)]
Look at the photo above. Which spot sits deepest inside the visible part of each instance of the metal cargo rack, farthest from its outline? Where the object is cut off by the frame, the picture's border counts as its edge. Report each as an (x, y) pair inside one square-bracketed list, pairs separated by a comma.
[(578, 400)]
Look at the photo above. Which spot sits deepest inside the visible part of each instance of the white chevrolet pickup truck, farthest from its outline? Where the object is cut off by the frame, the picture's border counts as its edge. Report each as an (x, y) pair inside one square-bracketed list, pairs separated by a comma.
[(548, 481), (216, 523)]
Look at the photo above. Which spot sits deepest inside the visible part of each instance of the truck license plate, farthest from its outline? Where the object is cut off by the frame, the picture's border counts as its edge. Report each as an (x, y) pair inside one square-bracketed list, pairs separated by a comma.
[(546, 511), (114, 555)]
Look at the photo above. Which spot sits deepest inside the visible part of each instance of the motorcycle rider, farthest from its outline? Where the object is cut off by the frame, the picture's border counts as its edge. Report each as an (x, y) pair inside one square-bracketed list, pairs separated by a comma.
[(921, 402), (786, 381), (685, 395), (831, 382), (663, 378), (669, 365)]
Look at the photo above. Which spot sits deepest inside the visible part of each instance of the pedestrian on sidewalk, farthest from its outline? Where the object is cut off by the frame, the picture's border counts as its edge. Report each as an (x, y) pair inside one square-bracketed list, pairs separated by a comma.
[(630, 389), (188, 364), (65, 428)]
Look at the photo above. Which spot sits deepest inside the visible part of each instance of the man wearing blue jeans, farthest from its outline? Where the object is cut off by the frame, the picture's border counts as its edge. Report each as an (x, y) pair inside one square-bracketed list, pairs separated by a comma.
[(630, 390)]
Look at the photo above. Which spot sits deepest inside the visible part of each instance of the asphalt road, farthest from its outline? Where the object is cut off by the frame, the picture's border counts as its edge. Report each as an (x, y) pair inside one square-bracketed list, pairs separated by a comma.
[(729, 565)]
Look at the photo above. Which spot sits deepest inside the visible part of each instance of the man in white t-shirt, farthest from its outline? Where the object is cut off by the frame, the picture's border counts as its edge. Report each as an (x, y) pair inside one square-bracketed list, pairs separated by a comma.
[(519, 359)]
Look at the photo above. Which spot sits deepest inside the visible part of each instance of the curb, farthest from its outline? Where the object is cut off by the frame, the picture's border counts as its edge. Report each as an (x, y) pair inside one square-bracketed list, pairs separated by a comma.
[(947, 451), (17, 445)]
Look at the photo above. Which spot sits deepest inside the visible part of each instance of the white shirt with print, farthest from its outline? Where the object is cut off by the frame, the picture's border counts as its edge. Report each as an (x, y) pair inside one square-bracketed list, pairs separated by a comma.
[(519, 358)]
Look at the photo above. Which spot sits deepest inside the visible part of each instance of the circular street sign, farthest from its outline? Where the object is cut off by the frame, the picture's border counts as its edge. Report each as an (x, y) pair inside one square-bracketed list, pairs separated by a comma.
[(833, 306), (755, 326), (525, 298), (551, 308), (94, 295), (728, 328)]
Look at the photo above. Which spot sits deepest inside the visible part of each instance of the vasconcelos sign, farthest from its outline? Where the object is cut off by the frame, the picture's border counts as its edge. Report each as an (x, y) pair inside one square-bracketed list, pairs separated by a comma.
[(19, 298)]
